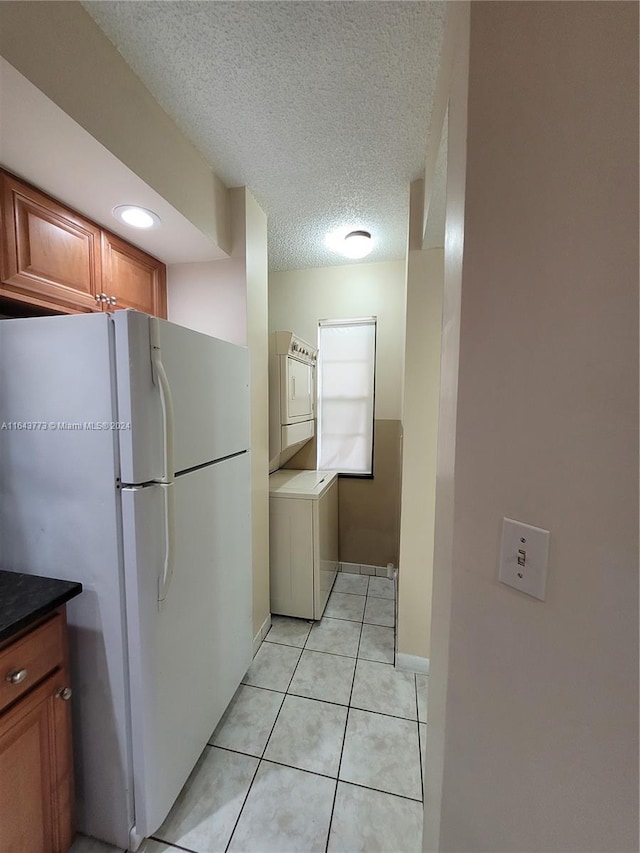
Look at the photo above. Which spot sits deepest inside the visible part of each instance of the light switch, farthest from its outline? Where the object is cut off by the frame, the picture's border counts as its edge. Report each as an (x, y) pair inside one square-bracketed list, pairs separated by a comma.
[(524, 556)]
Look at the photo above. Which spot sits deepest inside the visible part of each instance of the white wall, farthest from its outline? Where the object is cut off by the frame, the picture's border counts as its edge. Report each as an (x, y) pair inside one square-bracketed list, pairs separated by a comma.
[(210, 297), (541, 738), (425, 273), (257, 340), (451, 101), (299, 298)]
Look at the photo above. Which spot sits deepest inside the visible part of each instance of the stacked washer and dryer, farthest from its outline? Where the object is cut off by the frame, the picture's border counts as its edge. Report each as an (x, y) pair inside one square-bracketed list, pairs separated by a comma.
[(303, 505)]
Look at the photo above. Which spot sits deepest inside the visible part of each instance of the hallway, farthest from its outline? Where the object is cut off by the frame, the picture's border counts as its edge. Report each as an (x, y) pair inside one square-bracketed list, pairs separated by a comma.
[(321, 748)]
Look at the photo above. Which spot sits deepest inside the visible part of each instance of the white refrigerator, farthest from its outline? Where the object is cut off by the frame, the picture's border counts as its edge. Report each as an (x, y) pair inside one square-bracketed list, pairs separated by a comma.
[(124, 464)]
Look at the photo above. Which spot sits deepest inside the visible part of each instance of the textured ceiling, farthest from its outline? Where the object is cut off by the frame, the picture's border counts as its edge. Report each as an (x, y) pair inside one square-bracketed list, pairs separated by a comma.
[(320, 108)]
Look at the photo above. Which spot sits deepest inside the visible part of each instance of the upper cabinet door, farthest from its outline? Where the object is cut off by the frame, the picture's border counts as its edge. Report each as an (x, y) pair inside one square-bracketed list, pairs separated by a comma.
[(132, 278), (50, 255)]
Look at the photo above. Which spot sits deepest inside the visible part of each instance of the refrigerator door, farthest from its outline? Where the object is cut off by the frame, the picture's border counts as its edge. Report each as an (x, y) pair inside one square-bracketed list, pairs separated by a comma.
[(60, 517), (188, 655), (209, 381)]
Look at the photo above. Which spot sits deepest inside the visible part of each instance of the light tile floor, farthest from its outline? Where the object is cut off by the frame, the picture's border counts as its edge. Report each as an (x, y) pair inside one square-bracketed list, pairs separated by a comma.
[(321, 748)]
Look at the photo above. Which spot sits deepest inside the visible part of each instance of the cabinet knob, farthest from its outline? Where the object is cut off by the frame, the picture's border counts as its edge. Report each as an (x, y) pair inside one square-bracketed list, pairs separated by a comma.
[(113, 300), (17, 676), (98, 297), (64, 693)]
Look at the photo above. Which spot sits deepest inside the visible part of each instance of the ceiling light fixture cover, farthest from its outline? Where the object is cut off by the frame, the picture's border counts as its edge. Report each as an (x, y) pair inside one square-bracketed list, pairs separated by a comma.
[(138, 217), (357, 244)]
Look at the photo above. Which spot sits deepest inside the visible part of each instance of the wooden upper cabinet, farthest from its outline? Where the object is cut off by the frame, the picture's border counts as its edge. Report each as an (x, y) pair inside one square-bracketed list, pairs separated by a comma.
[(132, 278), (50, 255), (52, 258)]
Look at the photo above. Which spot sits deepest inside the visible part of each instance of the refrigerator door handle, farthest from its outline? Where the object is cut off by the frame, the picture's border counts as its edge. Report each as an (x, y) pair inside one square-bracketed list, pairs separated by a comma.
[(166, 481), (169, 547)]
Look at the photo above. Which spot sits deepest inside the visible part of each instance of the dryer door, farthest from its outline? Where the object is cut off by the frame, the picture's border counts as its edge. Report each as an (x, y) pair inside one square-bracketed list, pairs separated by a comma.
[(296, 384)]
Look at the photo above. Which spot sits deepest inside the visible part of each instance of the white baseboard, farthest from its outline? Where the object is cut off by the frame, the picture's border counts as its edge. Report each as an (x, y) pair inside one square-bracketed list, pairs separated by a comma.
[(262, 633), (387, 571), (412, 663)]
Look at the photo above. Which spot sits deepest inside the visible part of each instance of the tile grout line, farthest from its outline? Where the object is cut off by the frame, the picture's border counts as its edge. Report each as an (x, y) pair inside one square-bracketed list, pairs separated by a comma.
[(395, 622), (340, 619), (174, 844), (362, 595), (255, 687), (281, 643), (286, 693), (328, 701), (295, 669), (344, 735), (417, 717), (260, 757), (313, 773), (415, 681), (246, 797), (171, 844), (306, 639), (335, 654), (380, 791), (422, 769), (305, 648)]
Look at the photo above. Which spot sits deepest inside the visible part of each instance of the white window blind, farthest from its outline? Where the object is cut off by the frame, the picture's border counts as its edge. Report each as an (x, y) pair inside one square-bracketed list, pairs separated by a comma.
[(346, 385)]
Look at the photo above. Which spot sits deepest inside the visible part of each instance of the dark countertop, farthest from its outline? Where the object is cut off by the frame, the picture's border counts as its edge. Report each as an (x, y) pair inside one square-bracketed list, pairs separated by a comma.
[(24, 598)]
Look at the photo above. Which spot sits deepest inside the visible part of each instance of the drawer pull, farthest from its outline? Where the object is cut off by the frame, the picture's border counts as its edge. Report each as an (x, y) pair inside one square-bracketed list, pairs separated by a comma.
[(64, 693), (17, 676)]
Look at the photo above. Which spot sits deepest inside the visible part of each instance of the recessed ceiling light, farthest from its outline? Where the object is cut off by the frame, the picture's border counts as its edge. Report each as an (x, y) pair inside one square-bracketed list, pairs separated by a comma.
[(357, 244), (138, 217)]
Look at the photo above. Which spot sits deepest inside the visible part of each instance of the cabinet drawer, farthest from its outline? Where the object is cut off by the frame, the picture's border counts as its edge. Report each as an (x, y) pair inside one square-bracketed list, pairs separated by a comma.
[(31, 658)]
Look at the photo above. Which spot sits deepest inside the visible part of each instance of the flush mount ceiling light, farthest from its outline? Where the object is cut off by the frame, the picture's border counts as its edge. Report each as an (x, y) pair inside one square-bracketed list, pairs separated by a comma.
[(350, 242), (138, 217), (357, 244)]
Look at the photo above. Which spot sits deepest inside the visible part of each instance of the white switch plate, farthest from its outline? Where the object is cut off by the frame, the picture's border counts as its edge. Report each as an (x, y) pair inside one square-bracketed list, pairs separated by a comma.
[(524, 556)]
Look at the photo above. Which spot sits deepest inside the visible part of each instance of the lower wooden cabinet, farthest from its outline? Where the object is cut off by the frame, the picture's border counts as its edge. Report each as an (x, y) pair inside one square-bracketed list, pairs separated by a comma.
[(36, 775)]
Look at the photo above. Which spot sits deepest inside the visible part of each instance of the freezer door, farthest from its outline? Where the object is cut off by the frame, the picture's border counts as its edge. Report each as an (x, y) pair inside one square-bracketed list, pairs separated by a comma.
[(187, 656), (209, 386)]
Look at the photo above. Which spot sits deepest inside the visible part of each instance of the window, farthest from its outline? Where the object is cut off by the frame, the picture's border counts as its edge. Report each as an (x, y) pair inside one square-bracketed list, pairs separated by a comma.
[(346, 386)]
